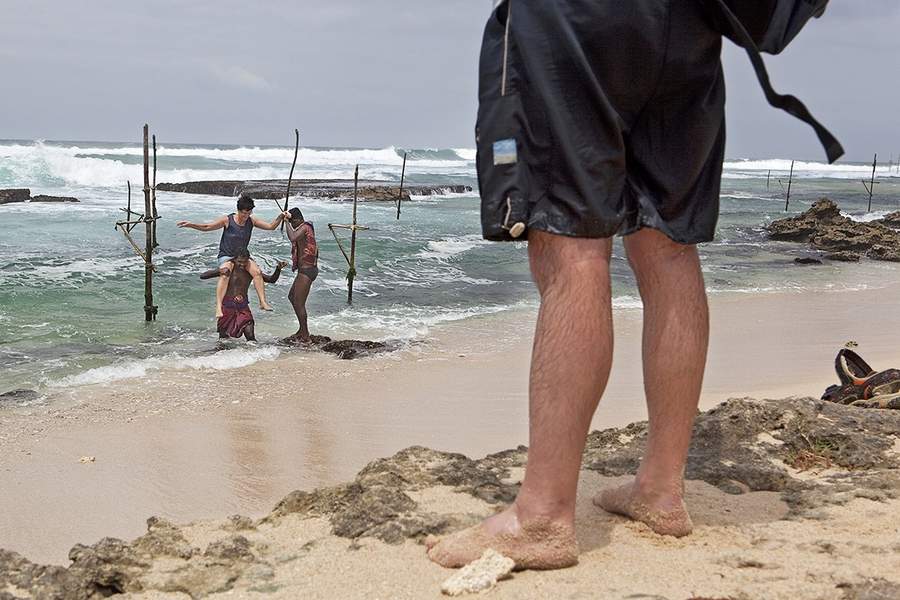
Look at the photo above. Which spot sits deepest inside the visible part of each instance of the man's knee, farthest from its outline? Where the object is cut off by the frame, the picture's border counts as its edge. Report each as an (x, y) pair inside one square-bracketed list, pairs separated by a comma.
[(558, 258), (652, 253), (253, 269)]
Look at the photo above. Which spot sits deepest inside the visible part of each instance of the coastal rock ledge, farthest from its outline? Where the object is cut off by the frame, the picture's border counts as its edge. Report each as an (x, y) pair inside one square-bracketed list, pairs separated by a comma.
[(24, 195), (815, 455), (335, 189), (824, 228)]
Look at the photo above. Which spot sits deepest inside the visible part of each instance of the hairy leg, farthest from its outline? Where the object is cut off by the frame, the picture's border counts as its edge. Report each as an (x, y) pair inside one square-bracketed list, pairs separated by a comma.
[(250, 333), (222, 286), (298, 295), (258, 284), (570, 366), (675, 340)]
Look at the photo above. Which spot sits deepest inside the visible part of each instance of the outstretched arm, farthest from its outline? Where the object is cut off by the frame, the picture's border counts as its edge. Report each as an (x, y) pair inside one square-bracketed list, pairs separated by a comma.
[(276, 274), (217, 224), (270, 226)]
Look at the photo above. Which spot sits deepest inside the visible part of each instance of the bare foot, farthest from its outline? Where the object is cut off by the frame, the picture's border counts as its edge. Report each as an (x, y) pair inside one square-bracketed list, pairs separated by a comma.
[(219, 314), (266, 307), (664, 514), (537, 544)]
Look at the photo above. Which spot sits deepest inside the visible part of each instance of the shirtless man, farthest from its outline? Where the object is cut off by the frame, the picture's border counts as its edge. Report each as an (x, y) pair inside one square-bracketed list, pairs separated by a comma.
[(236, 319), (238, 227), (305, 261)]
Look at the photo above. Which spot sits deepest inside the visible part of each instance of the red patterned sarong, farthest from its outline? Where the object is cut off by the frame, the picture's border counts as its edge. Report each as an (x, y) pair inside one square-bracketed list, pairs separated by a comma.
[(236, 317)]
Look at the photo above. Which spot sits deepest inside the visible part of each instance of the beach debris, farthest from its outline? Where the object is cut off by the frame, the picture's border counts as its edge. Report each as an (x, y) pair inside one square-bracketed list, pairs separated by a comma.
[(87, 459), (860, 385), (479, 575)]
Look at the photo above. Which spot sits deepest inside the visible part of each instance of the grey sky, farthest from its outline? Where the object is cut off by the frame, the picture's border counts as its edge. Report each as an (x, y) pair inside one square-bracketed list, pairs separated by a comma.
[(375, 73)]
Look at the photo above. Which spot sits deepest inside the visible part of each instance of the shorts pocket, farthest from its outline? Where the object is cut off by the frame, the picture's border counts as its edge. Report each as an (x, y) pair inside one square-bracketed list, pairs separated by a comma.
[(509, 167)]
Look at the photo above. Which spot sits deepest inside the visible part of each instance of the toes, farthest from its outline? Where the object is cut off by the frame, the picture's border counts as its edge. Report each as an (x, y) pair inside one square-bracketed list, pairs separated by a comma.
[(431, 541)]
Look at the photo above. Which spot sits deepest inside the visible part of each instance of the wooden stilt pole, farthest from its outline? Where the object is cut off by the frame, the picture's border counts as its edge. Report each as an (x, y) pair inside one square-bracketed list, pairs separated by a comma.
[(871, 187), (768, 175), (128, 210), (351, 274), (153, 196), (149, 308), (400, 196), (787, 198), (291, 176)]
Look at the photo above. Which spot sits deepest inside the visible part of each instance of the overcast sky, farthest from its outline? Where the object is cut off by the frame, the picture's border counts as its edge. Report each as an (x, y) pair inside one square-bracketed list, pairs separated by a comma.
[(375, 73)]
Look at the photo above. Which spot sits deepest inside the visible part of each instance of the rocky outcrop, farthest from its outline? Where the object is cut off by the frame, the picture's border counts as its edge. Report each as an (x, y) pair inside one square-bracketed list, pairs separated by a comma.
[(343, 349), (18, 396), (335, 189), (892, 220), (24, 195), (740, 446), (16, 195), (824, 228)]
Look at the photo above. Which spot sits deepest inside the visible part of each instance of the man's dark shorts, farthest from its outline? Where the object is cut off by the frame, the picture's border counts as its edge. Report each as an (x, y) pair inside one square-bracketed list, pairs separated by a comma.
[(600, 117)]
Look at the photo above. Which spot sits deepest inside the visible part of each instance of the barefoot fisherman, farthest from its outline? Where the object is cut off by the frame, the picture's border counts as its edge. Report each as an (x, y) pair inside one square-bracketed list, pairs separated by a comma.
[(305, 262), (237, 319), (600, 118)]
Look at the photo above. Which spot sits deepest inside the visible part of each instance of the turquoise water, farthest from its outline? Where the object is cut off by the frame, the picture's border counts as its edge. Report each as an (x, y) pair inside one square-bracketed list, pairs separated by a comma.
[(71, 289)]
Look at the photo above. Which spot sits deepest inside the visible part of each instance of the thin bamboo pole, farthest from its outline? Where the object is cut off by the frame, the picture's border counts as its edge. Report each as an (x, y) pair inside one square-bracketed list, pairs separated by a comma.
[(149, 308), (154, 214), (787, 198), (872, 182), (402, 176), (291, 176), (351, 273)]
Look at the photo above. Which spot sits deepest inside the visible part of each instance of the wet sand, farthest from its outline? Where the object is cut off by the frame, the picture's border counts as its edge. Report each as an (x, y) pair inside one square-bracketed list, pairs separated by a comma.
[(181, 445)]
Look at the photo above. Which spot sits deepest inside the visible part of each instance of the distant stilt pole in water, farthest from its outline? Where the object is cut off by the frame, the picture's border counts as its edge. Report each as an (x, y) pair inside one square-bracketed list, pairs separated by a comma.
[(402, 176), (128, 210), (768, 175), (351, 274), (153, 196), (870, 187), (353, 227), (787, 198), (149, 308)]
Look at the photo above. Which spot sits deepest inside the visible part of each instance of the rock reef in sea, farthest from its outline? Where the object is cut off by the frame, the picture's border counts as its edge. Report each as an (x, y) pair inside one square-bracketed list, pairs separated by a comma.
[(824, 228), (743, 445)]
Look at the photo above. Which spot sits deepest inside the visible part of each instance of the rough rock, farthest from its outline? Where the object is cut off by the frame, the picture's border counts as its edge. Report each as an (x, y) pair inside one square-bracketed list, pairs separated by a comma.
[(337, 189), (344, 349), (891, 220), (843, 256), (43, 198), (824, 228), (24, 195), (806, 260), (14, 195), (479, 575), (19, 396), (873, 589), (742, 445)]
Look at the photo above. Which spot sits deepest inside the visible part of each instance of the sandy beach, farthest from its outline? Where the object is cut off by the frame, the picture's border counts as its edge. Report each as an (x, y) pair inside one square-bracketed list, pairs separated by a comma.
[(184, 446)]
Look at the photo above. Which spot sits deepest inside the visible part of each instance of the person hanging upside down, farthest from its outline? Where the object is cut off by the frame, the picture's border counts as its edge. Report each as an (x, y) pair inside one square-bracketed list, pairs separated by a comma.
[(237, 319), (238, 227)]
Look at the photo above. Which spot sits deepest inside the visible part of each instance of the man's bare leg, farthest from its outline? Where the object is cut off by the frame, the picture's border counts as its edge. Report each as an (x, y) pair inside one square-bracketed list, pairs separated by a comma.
[(258, 284), (297, 296), (570, 366), (675, 340), (222, 286)]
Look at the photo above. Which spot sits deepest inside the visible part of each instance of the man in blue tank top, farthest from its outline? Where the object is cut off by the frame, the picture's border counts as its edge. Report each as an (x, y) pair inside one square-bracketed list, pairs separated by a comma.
[(238, 227)]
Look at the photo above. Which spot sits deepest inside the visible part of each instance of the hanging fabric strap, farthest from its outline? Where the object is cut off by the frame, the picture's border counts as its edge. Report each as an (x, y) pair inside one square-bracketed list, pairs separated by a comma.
[(789, 104)]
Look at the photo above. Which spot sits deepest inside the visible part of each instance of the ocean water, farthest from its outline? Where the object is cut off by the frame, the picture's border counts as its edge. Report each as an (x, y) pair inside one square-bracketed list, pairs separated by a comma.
[(71, 288)]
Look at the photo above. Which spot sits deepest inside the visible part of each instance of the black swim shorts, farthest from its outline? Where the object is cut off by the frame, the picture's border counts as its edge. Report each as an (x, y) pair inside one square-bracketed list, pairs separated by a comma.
[(600, 117)]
